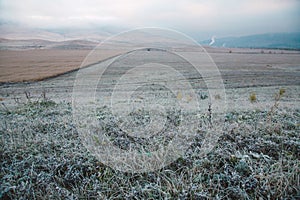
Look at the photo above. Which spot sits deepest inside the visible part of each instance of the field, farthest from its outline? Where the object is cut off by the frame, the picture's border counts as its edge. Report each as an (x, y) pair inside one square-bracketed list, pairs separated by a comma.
[(256, 155), (33, 65)]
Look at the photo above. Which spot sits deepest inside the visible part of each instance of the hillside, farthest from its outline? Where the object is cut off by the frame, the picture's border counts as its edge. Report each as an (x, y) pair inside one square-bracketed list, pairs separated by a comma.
[(270, 41)]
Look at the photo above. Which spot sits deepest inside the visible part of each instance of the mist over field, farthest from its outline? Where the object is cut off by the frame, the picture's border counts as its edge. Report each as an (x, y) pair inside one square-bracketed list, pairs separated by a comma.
[(198, 19)]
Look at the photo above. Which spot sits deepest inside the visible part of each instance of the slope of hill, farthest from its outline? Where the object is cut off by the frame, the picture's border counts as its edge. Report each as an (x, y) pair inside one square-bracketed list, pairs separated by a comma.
[(272, 41), (16, 32), (7, 44)]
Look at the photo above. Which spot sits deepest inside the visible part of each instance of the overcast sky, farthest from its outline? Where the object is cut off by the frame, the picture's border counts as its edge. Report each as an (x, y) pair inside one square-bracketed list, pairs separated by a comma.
[(197, 18)]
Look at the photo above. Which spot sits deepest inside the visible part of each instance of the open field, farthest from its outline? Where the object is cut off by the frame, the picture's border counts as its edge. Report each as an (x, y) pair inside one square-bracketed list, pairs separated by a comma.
[(255, 157), (242, 72), (34, 60), (33, 65)]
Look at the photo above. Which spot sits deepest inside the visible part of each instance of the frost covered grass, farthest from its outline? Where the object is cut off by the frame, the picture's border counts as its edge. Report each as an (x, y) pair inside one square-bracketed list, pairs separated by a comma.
[(42, 158)]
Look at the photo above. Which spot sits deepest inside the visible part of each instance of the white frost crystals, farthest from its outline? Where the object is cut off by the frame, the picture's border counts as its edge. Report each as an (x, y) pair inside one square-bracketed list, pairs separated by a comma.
[(137, 110)]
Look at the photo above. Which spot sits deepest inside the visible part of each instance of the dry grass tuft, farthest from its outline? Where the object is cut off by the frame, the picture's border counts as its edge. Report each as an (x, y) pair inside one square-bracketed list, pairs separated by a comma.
[(253, 97), (281, 91), (218, 97)]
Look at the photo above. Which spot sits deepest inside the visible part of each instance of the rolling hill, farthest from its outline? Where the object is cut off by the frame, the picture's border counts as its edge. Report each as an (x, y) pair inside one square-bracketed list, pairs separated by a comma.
[(269, 41)]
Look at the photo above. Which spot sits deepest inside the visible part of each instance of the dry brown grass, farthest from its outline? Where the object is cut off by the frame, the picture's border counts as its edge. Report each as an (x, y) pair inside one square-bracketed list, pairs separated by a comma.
[(30, 65), (253, 97), (35, 65)]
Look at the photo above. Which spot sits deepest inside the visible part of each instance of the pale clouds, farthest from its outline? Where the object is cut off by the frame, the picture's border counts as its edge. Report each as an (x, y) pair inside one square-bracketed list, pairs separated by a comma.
[(231, 17)]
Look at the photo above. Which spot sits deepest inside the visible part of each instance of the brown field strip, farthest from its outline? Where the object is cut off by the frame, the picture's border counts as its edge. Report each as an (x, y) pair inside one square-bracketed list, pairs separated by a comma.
[(32, 65)]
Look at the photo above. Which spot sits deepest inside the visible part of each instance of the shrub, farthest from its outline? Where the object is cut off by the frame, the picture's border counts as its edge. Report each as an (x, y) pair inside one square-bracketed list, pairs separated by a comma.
[(281, 91), (203, 95), (253, 97), (217, 96)]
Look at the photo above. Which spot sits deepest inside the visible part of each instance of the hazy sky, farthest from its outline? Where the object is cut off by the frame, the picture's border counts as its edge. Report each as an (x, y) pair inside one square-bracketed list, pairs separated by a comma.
[(197, 18)]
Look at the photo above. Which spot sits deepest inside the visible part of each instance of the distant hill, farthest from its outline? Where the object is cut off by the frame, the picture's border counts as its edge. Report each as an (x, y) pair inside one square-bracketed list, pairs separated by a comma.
[(15, 32), (271, 41), (7, 44)]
